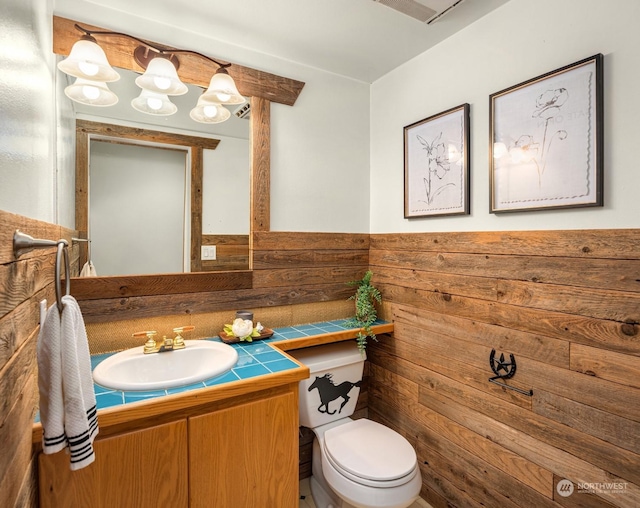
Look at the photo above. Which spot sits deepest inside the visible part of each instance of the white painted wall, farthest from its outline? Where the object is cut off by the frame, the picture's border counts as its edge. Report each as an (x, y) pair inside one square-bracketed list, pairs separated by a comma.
[(516, 42), (136, 209), (320, 147), (27, 112), (65, 156), (337, 162), (225, 188), (320, 158)]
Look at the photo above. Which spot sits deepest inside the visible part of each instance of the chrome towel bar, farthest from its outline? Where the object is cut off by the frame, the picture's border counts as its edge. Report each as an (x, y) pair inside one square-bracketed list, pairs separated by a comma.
[(23, 243)]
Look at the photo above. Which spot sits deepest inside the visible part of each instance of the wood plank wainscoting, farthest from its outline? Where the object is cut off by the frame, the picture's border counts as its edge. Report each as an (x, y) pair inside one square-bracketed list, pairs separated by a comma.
[(566, 304), (23, 283), (299, 263), (232, 252), (290, 269)]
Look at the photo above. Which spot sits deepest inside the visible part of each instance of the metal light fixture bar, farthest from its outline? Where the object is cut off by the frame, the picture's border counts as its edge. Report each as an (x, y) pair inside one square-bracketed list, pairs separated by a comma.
[(143, 56)]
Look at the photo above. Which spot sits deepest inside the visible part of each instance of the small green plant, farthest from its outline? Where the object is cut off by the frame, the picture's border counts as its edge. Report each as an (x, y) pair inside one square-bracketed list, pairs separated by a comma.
[(365, 298)]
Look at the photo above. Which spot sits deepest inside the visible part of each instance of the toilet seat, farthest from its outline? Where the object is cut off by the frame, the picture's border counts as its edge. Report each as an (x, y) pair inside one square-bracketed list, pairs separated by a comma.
[(370, 454)]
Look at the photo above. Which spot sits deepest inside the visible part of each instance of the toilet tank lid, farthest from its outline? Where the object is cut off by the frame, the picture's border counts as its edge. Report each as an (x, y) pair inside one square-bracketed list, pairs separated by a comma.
[(328, 356)]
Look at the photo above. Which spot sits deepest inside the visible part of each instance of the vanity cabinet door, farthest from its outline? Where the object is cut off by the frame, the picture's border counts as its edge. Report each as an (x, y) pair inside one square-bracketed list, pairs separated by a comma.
[(145, 468), (246, 455)]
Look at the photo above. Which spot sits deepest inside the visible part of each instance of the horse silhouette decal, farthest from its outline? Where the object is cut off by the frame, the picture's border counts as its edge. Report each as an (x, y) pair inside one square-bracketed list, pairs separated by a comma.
[(329, 392)]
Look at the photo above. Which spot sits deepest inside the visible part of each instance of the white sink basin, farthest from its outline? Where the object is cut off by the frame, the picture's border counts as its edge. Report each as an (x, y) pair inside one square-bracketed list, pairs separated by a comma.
[(134, 370)]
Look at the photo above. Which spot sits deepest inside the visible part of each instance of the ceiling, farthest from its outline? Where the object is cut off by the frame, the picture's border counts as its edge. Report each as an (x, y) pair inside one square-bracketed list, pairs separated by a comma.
[(359, 39)]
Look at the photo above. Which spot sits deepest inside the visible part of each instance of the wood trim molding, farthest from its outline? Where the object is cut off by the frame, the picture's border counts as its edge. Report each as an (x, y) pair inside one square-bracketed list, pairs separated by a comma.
[(197, 164), (85, 129), (260, 178), (128, 286), (260, 164), (193, 69), (82, 183), (137, 134)]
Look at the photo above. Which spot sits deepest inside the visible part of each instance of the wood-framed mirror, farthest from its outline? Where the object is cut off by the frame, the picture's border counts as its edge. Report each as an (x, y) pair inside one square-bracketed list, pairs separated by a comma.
[(263, 88), (90, 135)]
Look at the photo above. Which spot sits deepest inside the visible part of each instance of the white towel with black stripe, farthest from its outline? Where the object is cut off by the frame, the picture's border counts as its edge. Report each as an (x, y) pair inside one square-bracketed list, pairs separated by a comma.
[(67, 400)]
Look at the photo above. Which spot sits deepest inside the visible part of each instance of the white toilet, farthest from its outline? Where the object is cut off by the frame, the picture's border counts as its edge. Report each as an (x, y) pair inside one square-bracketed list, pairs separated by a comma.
[(356, 463)]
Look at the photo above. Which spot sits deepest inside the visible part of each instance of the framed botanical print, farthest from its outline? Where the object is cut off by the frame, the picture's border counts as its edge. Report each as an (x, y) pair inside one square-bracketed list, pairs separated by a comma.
[(436, 165), (546, 140)]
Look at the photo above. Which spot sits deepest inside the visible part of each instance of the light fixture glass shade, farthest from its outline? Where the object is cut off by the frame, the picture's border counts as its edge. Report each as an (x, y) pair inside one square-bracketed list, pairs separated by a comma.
[(93, 93), (499, 150), (154, 104), (209, 112), (87, 60), (161, 77), (222, 89)]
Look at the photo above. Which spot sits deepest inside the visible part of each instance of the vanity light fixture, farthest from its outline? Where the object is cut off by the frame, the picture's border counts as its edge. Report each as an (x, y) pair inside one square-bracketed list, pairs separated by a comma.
[(93, 93), (88, 63), (209, 112), (499, 150), (222, 89), (159, 80), (154, 103), (87, 60), (161, 76)]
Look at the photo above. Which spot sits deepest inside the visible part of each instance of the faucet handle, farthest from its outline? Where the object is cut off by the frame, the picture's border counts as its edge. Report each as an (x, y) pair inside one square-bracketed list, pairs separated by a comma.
[(149, 346), (183, 329), (178, 342)]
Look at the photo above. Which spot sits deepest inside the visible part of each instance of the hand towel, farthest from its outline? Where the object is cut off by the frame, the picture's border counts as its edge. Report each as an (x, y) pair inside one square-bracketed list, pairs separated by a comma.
[(88, 270), (67, 401)]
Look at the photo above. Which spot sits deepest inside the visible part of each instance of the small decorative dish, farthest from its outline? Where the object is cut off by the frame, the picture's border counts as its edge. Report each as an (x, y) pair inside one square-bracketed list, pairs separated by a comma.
[(230, 339)]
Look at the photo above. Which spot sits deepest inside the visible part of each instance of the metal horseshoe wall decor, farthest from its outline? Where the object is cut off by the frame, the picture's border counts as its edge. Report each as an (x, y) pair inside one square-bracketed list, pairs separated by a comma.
[(505, 370)]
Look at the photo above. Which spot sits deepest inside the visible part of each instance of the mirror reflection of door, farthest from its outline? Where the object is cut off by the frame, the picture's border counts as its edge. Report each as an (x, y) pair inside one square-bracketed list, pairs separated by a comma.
[(137, 209)]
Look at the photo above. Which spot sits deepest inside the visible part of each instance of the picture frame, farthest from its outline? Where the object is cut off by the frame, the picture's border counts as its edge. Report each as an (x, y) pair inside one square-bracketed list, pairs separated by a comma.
[(546, 140), (436, 165)]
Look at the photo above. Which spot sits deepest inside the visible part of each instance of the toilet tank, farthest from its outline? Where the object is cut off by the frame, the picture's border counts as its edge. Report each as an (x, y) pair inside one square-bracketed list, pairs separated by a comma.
[(332, 390)]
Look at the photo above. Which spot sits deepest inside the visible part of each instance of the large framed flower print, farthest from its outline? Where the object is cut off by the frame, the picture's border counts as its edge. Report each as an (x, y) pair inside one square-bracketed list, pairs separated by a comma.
[(436, 165), (546, 140)]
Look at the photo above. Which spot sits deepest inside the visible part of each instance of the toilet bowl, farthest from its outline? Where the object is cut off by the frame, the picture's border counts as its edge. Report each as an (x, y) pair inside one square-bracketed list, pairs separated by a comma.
[(356, 463), (366, 465)]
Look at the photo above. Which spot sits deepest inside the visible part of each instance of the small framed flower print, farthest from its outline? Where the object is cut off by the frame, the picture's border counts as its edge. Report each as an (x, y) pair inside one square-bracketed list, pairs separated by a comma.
[(436, 165), (546, 140)]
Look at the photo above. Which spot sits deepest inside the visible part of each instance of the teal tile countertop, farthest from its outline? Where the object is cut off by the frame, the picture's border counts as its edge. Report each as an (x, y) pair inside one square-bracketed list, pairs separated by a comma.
[(254, 359)]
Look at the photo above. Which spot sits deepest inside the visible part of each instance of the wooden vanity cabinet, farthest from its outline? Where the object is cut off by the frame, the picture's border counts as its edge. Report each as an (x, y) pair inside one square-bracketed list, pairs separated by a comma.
[(233, 453), (246, 455), (143, 468)]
